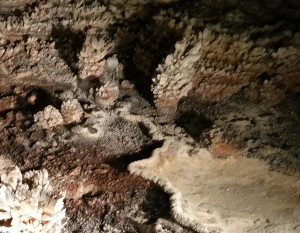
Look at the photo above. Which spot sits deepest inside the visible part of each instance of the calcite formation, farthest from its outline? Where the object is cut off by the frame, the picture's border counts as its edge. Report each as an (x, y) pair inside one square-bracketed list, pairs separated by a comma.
[(226, 63), (28, 204), (231, 58), (48, 118), (231, 62), (33, 62), (84, 88), (208, 193), (232, 55), (107, 94), (71, 111), (92, 57), (173, 80), (287, 63)]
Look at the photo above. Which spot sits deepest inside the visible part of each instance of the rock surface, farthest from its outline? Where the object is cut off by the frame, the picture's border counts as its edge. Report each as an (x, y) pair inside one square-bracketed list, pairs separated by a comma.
[(233, 194), (89, 87)]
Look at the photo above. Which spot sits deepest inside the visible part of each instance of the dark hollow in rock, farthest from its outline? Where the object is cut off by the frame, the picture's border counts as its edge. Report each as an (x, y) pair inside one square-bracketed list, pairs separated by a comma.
[(157, 204), (193, 123), (43, 98), (143, 46), (121, 163), (68, 42)]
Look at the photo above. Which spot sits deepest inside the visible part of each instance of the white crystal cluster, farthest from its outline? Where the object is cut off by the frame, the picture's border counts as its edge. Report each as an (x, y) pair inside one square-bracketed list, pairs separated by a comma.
[(71, 111), (48, 118), (173, 80), (92, 56), (28, 205)]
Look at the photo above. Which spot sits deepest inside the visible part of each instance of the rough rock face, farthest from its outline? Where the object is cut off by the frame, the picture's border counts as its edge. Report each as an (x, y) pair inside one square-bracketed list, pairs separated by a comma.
[(89, 87), (230, 58), (92, 56), (71, 111), (48, 118), (174, 78), (207, 193), (32, 62), (227, 62), (107, 94), (231, 62)]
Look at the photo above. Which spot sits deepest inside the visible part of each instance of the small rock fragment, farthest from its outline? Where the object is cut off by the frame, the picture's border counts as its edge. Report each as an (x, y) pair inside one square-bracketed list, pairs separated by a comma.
[(48, 118), (71, 111)]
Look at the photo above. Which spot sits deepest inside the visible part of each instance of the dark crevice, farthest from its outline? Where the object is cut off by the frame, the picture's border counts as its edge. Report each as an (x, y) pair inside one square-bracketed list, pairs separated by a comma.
[(157, 204), (121, 163), (193, 123), (43, 98), (6, 222), (145, 130), (142, 44), (264, 76), (69, 43)]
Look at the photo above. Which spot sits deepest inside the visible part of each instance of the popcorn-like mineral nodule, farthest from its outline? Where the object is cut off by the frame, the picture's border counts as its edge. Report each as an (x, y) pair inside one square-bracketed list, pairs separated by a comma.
[(71, 111), (28, 204), (48, 118)]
